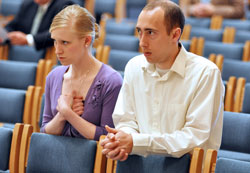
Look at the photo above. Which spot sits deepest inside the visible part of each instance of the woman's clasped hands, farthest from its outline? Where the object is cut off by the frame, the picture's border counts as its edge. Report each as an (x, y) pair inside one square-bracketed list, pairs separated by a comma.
[(70, 102)]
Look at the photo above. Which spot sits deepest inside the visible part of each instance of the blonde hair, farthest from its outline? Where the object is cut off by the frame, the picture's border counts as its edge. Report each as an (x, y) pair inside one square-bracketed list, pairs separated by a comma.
[(79, 18)]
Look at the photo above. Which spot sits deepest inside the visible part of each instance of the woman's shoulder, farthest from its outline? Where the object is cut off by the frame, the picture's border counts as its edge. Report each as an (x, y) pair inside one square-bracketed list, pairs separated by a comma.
[(109, 76), (109, 73), (57, 71)]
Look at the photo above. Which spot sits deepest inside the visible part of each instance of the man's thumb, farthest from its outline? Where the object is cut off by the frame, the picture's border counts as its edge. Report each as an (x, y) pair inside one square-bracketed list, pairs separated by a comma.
[(111, 130)]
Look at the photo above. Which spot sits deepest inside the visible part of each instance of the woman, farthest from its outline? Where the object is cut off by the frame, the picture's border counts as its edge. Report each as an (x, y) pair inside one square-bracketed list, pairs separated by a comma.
[(81, 94)]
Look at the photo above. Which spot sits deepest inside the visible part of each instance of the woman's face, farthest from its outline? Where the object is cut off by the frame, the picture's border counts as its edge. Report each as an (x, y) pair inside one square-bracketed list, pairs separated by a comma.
[(69, 47)]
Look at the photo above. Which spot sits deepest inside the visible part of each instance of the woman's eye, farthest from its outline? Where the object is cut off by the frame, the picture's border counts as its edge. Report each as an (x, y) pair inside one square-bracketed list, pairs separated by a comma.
[(65, 42)]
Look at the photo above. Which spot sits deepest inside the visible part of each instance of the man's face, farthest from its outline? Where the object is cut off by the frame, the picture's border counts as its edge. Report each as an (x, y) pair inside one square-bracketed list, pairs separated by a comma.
[(41, 2), (155, 42)]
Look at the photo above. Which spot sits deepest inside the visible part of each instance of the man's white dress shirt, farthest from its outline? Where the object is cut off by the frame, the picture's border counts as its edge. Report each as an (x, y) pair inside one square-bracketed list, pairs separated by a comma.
[(173, 113)]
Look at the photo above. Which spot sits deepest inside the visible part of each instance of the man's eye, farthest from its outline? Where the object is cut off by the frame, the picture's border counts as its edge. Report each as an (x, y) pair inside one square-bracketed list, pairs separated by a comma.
[(150, 32), (138, 30)]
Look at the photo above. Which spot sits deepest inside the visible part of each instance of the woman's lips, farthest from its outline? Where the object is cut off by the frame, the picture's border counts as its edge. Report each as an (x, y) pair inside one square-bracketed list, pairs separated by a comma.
[(61, 58)]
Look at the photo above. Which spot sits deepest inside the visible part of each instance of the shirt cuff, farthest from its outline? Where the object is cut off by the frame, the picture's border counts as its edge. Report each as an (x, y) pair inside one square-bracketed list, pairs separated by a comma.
[(127, 130), (141, 143), (30, 40)]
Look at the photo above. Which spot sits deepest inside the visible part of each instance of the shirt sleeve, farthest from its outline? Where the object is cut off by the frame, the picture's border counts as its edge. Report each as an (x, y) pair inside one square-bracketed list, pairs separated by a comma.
[(124, 113), (47, 114), (205, 110), (30, 40), (109, 101), (42, 40)]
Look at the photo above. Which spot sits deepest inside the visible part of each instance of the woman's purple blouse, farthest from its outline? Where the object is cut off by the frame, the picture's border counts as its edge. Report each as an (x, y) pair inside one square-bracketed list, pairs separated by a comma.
[(99, 102)]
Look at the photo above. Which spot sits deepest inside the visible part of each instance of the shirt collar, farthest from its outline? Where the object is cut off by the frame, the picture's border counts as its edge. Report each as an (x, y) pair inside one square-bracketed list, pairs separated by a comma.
[(180, 62), (177, 67), (150, 68)]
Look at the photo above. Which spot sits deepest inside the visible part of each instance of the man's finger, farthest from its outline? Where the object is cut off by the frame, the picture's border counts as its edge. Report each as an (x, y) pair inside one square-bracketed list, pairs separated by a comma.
[(105, 151), (111, 136), (114, 153), (120, 155), (125, 157), (104, 141), (111, 130), (111, 145)]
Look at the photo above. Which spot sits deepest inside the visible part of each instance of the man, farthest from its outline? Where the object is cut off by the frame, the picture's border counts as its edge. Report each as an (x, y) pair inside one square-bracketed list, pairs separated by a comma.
[(207, 8), (171, 100), (27, 28)]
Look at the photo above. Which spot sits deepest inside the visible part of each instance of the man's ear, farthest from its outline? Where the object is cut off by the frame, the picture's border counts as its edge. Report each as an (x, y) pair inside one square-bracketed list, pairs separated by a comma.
[(176, 34)]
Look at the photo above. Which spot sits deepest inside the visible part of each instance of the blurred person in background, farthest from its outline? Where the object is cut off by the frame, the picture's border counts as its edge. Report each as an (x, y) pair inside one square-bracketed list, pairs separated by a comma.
[(31, 24), (207, 8)]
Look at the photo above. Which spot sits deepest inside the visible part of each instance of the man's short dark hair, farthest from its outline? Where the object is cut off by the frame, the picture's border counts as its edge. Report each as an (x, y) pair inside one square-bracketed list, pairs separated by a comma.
[(173, 15)]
